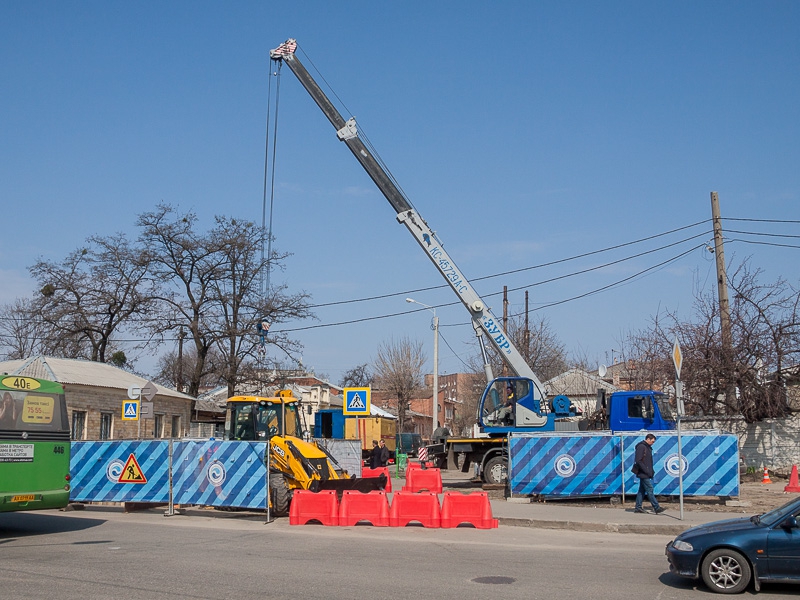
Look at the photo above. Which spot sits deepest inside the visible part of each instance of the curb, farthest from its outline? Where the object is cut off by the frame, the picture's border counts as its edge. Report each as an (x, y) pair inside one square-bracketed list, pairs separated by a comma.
[(639, 528)]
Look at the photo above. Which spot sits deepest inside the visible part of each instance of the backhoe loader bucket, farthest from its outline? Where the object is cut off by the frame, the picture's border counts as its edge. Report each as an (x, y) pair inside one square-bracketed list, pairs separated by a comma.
[(361, 484)]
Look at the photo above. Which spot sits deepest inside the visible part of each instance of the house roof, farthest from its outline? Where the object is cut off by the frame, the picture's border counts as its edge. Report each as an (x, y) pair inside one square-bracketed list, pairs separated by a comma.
[(576, 382), (81, 372)]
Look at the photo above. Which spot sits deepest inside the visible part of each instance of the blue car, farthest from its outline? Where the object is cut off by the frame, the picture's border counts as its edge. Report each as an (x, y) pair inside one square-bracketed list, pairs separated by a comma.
[(728, 555)]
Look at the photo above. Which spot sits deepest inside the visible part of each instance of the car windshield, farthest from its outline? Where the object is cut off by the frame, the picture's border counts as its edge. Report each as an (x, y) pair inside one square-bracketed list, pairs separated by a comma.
[(774, 517)]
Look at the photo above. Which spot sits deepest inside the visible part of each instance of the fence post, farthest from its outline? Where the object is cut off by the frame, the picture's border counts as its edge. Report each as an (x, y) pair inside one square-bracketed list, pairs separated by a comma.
[(171, 508), (622, 465)]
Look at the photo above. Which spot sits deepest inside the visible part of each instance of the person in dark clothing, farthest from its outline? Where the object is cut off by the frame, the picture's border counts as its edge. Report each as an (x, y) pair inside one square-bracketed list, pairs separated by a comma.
[(643, 469), (375, 456), (383, 454)]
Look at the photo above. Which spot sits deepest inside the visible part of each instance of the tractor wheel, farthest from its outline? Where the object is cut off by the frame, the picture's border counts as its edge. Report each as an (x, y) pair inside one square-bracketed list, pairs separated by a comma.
[(279, 496), (496, 470)]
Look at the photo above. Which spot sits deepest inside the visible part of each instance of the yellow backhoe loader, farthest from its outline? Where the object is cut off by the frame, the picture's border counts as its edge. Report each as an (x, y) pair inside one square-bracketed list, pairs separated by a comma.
[(295, 464)]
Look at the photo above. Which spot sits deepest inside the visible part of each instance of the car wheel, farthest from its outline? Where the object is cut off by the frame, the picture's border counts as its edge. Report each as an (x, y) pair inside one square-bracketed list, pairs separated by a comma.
[(726, 571), (496, 470)]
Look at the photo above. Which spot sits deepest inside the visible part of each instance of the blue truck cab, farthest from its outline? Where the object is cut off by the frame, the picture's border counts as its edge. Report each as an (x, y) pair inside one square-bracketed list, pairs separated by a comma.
[(515, 404)]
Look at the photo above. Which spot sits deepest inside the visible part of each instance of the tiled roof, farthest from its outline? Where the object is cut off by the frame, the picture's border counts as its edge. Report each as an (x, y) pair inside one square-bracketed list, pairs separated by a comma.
[(80, 372)]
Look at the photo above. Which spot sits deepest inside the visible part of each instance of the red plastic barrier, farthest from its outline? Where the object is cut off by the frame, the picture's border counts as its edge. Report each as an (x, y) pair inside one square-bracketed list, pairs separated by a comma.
[(418, 465), (376, 472), (307, 506), (474, 508), (357, 506), (408, 507), (418, 480)]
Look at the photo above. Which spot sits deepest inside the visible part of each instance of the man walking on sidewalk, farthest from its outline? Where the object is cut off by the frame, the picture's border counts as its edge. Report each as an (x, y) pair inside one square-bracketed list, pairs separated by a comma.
[(643, 469)]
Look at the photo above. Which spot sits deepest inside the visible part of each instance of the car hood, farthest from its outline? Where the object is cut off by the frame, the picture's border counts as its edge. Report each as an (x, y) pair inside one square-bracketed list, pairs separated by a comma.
[(719, 526)]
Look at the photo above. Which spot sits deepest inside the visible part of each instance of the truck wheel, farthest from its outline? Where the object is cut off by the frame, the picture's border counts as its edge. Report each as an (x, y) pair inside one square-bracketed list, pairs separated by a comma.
[(496, 470), (726, 571), (279, 495)]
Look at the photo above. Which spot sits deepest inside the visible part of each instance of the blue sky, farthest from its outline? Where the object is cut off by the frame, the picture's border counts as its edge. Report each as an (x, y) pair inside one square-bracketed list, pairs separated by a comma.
[(523, 132)]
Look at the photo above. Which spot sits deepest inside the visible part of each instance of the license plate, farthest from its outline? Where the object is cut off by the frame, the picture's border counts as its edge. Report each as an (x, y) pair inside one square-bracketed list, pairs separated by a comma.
[(23, 498)]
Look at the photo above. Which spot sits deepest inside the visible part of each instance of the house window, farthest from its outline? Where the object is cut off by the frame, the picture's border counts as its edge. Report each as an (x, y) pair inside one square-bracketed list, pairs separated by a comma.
[(158, 426), (78, 424), (176, 426), (106, 420)]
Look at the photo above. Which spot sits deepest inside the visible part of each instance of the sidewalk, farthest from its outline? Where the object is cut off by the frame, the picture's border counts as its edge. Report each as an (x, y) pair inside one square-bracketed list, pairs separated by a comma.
[(552, 515), (597, 516)]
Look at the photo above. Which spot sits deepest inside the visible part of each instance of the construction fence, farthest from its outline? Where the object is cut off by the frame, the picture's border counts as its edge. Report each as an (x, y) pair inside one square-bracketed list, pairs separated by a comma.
[(186, 472), (599, 464)]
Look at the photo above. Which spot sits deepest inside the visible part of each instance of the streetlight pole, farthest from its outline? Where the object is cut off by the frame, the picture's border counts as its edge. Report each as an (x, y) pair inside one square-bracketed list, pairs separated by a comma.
[(435, 363)]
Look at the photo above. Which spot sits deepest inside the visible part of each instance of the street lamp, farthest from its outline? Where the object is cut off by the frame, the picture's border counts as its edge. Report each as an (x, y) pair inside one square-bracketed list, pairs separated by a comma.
[(435, 362)]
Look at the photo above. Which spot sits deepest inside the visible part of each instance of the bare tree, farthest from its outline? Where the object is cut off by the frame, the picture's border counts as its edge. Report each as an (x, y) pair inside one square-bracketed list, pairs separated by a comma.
[(238, 304), (21, 331), (93, 293), (358, 376), (398, 370), (210, 287), (765, 329), (184, 266)]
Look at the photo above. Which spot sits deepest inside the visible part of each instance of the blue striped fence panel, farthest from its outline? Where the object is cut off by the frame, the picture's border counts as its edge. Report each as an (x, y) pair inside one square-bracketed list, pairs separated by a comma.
[(95, 468), (596, 464), (710, 463), (217, 473), (564, 465)]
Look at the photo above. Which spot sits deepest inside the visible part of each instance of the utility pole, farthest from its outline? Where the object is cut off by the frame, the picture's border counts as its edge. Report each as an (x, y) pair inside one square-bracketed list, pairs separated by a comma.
[(504, 372), (724, 305), (181, 335), (527, 333)]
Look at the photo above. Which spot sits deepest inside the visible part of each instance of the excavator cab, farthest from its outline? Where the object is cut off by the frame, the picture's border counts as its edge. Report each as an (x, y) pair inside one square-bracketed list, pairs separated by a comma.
[(252, 418)]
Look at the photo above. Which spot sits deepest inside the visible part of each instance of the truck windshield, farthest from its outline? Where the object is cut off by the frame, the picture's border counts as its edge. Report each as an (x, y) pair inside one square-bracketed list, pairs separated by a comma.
[(261, 420), (664, 407)]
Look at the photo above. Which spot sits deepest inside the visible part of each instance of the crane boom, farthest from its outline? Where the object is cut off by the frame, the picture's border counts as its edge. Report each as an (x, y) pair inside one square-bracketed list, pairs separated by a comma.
[(483, 321)]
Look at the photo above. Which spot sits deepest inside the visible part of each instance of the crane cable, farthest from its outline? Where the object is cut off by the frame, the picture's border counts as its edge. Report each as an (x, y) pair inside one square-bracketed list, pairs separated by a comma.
[(269, 174)]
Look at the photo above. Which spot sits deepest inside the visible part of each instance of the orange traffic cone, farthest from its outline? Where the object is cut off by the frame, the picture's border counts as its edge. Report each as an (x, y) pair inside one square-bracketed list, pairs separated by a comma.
[(766, 476), (794, 484)]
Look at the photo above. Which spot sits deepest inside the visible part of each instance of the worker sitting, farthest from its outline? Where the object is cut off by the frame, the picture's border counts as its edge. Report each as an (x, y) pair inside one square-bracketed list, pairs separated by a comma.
[(506, 414)]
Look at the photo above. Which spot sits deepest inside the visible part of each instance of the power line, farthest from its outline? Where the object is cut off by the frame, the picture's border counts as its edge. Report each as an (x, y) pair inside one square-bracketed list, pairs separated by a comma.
[(515, 271)]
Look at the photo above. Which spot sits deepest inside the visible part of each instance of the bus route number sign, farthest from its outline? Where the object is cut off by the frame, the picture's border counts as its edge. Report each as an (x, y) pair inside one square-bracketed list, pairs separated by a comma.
[(21, 383)]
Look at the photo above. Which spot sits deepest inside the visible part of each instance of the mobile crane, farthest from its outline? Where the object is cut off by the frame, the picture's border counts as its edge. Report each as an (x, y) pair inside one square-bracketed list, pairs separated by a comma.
[(509, 404)]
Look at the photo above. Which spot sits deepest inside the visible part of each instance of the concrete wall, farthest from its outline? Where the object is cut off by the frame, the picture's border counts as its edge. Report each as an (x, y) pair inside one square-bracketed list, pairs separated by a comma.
[(774, 444)]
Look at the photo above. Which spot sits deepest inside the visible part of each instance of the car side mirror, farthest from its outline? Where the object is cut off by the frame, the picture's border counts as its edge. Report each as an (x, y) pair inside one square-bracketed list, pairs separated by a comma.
[(789, 523)]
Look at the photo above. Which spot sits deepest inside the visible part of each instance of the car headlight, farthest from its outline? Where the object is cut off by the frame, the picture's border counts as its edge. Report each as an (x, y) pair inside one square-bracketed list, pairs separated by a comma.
[(682, 546)]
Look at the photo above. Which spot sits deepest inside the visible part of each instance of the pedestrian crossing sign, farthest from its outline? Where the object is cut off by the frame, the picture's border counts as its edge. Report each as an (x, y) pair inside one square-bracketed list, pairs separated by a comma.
[(130, 410), (356, 401)]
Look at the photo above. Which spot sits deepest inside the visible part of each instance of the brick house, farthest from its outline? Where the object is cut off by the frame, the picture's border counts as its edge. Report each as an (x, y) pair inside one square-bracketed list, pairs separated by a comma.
[(95, 391)]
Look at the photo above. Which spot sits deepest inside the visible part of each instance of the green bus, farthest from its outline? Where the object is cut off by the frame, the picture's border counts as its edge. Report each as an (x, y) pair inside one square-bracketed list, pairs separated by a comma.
[(34, 444)]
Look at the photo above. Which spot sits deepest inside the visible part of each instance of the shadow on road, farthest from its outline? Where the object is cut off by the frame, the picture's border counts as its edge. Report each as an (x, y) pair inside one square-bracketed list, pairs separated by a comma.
[(20, 524)]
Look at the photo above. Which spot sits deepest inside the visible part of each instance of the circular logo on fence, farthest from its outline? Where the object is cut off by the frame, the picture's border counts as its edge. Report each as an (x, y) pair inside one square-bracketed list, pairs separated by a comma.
[(215, 473), (671, 465), (565, 465), (114, 470)]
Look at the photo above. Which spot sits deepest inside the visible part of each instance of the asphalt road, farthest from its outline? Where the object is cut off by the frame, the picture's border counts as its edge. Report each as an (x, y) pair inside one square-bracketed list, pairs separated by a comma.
[(103, 553)]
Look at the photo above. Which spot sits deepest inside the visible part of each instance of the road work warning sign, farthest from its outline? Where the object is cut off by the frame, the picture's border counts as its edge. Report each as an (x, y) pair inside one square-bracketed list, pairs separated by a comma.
[(356, 401), (132, 472)]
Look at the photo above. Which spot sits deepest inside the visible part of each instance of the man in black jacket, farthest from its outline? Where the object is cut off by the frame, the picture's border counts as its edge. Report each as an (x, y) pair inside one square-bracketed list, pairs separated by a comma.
[(643, 469)]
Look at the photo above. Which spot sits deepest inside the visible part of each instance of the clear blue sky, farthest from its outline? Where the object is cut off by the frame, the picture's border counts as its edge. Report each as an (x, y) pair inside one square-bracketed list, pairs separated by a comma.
[(523, 132)]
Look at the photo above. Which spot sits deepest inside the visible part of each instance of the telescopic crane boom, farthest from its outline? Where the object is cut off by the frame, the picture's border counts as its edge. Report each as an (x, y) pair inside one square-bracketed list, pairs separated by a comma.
[(483, 321)]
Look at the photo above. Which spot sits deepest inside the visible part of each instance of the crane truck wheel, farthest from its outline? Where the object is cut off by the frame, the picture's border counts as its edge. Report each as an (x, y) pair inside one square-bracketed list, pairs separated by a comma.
[(279, 495), (496, 470)]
